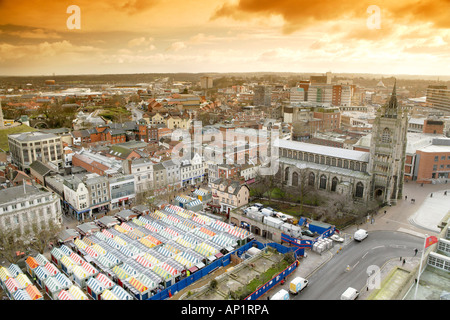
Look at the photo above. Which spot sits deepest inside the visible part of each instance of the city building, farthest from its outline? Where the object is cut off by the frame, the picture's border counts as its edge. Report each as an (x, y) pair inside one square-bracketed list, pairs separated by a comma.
[(22, 206), (262, 96), (30, 146), (122, 190), (388, 151), (229, 194), (438, 97)]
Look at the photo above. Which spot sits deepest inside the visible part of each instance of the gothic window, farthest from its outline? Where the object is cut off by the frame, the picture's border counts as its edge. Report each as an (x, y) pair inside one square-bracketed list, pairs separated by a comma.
[(286, 174), (357, 166), (323, 182), (386, 137), (295, 179), (328, 161), (322, 159), (359, 190), (352, 165), (311, 158), (311, 179), (345, 164), (339, 163), (333, 162), (334, 183), (316, 158)]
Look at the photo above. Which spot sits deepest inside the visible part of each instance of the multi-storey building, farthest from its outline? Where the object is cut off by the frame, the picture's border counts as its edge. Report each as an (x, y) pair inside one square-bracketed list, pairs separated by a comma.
[(30, 146), (229, 194), (262, 96), (25, 205), (76, 197), (438, 97)]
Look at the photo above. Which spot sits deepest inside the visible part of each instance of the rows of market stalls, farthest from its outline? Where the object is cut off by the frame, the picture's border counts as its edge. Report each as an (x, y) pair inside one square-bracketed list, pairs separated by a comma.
[(132, 259)]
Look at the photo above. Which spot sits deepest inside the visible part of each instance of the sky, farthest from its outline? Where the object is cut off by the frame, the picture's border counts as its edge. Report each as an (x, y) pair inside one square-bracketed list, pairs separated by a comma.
[(165, 36)]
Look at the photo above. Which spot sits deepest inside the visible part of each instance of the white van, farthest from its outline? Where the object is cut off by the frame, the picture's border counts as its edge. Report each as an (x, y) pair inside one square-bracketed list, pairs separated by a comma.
[(281, 295), (360, 234), (350, 294), (297, 285)]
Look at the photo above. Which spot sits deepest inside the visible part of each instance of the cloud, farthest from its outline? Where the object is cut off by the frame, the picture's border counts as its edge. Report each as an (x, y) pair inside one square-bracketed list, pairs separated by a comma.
[(300, 14), (9, 52), (142, 43), (177, 46)]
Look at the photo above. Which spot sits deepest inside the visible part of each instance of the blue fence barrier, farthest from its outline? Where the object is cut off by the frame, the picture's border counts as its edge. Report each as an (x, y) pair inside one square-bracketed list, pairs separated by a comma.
[(222, 262), (272, 282)]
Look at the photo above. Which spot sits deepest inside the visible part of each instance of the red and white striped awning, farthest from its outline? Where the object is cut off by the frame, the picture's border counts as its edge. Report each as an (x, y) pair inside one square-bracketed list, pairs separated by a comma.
[(107, 233), (150, 227), (76, 258), (169, 269), (171, 232), (105, 280), (143, 261), (198, 220), (12, 285), (91, 252), (64, 295), (89, 268), (51, 268), (126, 226)]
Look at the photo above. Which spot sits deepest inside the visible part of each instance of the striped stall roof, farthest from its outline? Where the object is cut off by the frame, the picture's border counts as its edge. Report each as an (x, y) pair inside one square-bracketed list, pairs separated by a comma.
[(120, 241), (33, 292), (100, 236), (4, 274), (89, 268), (104, 261), (107, 233), (143, 261), (41, 259), (63, 280), (183, 261), (14, 270), (120, 273), (80, 244), (66, 250), (162, 272), (99, 249), (146, 281), (120, 293), (57, 253), (90, 251), (120, 229), (153, 260), (31, 262), (113, 244), (137, 284), (105, 280), (79, 272), (77, 293), (126, 226), (67, 262), (51, 268), (150, 227), (108, 295), (238, 232), (113, 258), (169, 268), (12, 285), (41, 273), (170, 219), (21, 294), (23, 280), (138, 222), (88, 241), (156, 215), (65, 295), (207, 231), (76, 258), (184, 242), (95, 285)]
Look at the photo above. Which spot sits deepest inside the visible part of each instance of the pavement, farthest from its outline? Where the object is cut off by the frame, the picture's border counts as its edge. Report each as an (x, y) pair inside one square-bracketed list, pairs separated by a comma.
[(418, 218)]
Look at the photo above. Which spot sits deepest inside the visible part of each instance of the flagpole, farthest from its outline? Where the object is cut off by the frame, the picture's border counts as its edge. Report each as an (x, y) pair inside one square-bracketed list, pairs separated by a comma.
[(420, 268)]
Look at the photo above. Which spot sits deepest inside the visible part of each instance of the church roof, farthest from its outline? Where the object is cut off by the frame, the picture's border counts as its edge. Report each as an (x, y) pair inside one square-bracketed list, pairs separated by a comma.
[(323, 150)]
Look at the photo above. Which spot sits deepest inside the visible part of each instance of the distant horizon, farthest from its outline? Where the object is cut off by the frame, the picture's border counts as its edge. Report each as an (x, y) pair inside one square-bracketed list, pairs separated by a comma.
[(212, 73)]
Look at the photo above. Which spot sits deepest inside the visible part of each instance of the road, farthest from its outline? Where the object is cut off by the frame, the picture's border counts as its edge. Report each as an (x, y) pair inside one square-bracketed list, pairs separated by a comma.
[(331, 280), (135, 112)]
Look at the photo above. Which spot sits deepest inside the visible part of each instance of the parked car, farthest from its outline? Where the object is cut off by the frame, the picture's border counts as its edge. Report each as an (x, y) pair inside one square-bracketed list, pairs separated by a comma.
[(350, 294), (337, 238), (308, 233)]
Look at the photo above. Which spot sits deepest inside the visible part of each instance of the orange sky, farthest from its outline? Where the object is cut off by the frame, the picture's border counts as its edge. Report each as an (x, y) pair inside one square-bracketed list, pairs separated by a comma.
[(130, 36)]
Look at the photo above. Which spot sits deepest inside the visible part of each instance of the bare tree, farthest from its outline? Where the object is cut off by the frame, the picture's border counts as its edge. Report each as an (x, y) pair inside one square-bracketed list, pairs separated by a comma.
[(11, 244), (42, 235)]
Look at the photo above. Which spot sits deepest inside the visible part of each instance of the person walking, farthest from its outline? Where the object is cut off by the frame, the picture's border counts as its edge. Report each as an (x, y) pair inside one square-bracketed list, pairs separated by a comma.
[(415, 251), (403, 262)]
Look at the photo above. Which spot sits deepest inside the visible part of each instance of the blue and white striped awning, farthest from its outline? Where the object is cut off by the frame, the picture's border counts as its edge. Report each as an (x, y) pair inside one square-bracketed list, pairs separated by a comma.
[(41, 259), (66, 250), (21, 294), (113, 244), (65, 282), (200, 192), (130, 270), (14, 270), (41, 273), (113, 258), (95, 285), (120, 293), (194, 203), (165, 252), (127, 252)]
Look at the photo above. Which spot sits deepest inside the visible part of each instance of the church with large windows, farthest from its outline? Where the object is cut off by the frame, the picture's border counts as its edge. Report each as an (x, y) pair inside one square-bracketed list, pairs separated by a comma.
[(365, 176)]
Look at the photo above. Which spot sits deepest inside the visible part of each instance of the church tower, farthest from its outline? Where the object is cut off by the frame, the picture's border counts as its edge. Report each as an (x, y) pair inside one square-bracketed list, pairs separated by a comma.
[(387, 151)]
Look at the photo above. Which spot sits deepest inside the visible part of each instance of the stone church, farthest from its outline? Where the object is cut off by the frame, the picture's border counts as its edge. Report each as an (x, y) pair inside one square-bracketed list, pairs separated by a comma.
[(364, 176)]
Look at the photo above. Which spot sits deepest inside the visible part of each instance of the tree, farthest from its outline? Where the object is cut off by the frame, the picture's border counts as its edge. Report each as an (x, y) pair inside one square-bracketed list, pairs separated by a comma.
[(11, 246), (42, 235)]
